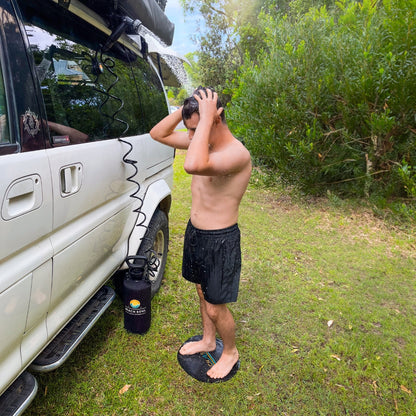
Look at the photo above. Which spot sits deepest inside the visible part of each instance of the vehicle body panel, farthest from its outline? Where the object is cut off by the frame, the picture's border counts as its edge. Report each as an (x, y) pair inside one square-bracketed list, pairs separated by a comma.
[(71, 211)]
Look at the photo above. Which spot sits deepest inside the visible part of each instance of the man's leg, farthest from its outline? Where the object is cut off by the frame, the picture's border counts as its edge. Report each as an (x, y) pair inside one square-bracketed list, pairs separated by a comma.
[(208, 341), (223, 321), (215, 318)]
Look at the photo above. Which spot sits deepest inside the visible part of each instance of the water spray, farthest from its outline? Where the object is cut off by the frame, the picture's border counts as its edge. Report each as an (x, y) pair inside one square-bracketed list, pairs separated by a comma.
[(172, 60)]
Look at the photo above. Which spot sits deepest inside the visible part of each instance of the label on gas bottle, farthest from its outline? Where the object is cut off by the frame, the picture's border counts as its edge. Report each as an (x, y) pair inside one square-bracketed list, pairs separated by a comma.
[(135, 308)]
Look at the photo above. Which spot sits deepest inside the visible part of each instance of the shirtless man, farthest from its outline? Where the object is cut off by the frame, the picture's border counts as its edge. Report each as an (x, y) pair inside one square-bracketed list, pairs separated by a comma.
[(221, 169)]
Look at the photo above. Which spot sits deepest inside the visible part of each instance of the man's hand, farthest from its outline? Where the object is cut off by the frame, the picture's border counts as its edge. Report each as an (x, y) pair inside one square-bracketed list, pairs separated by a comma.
[(208, 106)]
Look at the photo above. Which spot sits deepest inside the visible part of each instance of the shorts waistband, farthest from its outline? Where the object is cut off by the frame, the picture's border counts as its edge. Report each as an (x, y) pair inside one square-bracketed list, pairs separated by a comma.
[(221, 231)]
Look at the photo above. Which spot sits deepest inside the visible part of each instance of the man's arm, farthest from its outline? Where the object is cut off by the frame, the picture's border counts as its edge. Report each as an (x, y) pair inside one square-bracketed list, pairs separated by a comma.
[(199, 160), (229, 161), (164, 131), (198, 155)]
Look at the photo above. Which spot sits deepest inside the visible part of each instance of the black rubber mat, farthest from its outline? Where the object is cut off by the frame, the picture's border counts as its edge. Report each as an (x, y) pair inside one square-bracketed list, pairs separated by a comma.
[(197, 365)]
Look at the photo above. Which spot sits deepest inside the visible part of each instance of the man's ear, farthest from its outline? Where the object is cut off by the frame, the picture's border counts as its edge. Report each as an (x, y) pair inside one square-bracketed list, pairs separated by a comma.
[(218, 117)]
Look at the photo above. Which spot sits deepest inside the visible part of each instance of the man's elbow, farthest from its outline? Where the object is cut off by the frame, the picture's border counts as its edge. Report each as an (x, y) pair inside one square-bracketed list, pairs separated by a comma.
[(193, 167), (154, 135), (190, 167)]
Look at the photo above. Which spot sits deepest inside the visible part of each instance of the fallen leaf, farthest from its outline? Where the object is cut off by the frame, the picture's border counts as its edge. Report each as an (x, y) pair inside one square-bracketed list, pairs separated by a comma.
[(405, 389), (374, 383), (295, 350), (124, 389)]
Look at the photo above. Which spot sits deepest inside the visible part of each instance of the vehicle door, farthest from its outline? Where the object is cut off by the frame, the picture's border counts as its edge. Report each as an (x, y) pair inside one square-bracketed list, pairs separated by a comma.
[(26, 207), (91, 100)]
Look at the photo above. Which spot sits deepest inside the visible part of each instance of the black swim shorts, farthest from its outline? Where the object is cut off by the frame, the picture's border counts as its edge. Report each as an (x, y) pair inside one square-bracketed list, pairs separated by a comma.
[(212, 258)]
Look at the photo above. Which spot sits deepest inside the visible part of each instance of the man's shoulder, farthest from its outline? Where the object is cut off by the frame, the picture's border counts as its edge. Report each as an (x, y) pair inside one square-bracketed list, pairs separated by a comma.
[(238, 146), (240, 155)]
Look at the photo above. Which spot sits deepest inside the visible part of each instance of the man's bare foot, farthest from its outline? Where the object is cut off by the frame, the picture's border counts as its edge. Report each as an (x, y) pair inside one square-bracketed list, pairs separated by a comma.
[(195, 347), (224, 365)]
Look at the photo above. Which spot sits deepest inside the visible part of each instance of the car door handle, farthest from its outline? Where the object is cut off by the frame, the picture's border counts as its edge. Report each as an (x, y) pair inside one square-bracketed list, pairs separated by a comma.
[(22, 196), (71, 179)]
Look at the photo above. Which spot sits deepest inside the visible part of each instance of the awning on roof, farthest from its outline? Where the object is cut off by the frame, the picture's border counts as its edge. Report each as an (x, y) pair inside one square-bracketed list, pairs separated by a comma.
[(147, 11), (99, 13), (151, 15)]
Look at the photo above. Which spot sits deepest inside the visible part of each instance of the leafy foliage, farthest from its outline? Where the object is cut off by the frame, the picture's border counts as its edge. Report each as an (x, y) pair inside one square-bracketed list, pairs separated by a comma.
[(330, 102)]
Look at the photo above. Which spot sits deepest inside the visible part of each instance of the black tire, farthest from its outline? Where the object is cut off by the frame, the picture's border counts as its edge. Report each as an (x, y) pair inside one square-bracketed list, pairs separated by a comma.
[(155, 247)]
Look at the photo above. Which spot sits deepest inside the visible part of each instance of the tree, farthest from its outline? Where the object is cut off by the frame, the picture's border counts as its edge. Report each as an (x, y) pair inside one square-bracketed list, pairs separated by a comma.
[(231, 31), (331, 103)]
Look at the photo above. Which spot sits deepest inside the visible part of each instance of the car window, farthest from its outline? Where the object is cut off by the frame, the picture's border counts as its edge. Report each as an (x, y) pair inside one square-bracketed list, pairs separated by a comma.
[(4, 130), (91, 96)]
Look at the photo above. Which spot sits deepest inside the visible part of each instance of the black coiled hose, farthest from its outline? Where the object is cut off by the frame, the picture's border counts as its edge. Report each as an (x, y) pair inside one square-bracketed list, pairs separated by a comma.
[(108, 64)]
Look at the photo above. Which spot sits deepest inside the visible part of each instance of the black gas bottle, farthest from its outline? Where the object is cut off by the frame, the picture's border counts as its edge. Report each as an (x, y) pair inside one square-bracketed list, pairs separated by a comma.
[(137, 296)]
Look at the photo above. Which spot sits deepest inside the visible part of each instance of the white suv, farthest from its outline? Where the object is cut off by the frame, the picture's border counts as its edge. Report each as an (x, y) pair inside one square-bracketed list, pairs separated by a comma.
[(82, 185)]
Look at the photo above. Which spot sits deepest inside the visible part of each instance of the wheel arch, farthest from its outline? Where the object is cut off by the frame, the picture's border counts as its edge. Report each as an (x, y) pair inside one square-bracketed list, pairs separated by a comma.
[(165, 204), (158, 195)]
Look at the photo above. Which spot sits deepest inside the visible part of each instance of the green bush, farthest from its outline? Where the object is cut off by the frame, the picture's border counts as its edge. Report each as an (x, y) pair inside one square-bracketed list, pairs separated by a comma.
[(331, 103)]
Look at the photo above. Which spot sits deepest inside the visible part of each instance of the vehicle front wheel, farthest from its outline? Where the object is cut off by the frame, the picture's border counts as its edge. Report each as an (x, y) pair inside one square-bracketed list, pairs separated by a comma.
[(154, 246)]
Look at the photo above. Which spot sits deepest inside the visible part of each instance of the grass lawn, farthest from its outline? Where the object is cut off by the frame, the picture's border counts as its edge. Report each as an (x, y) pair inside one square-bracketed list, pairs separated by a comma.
[(326, 323)]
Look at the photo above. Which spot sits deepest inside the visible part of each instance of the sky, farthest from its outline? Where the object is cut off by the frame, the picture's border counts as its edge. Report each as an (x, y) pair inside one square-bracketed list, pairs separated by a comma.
[(184, 28)]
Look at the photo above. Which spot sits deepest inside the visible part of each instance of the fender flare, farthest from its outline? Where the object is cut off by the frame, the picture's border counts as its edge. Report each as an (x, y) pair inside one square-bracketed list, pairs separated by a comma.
[(158, 194)]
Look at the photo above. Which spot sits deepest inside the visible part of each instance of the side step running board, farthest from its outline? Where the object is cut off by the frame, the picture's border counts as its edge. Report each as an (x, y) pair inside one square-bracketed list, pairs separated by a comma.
[(65, 342), (15, 400)]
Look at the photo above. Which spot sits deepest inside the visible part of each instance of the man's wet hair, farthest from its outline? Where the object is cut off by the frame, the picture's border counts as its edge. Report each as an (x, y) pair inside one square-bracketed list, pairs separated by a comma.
[(191, 105)]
